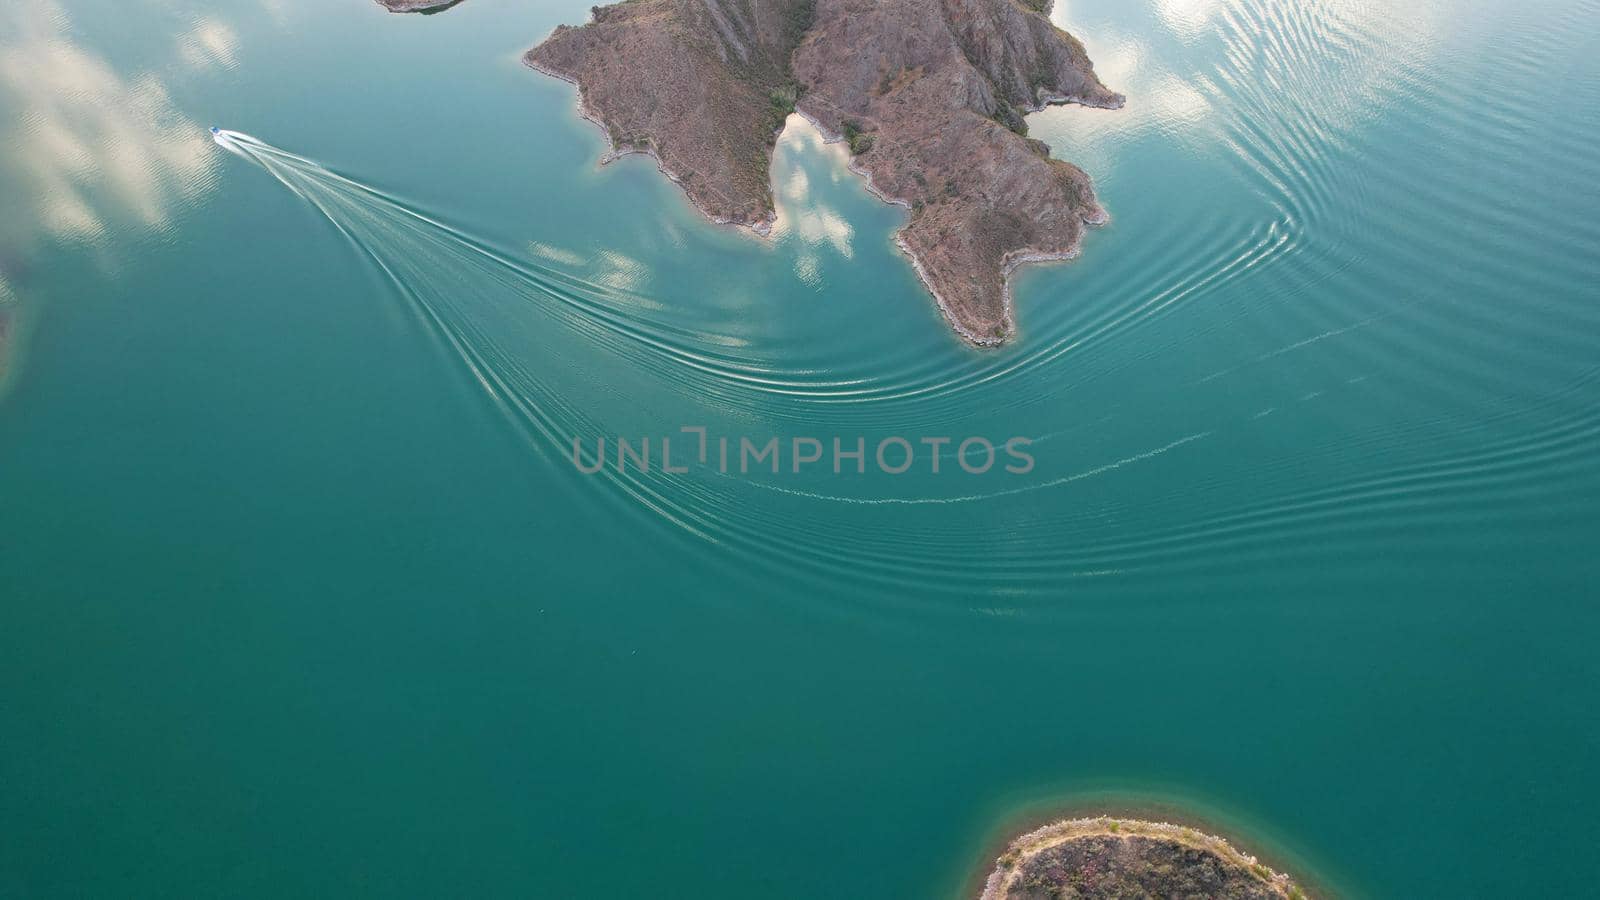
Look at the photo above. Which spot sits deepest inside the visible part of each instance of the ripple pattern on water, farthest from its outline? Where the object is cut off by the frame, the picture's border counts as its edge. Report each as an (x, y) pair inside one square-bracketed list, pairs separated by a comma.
[(1340, 367)]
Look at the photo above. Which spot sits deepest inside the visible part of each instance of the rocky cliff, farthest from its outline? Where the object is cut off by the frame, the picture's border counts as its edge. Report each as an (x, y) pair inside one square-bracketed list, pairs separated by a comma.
[(930, 95)]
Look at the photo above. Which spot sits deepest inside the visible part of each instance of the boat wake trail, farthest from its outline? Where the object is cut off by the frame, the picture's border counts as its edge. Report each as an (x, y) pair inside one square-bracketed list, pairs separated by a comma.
[(526, 334), (567, 358)]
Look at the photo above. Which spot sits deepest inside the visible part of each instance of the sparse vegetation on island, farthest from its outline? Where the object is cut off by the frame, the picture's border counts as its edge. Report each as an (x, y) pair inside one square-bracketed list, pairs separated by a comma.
[(933, 117), (1113, 859)]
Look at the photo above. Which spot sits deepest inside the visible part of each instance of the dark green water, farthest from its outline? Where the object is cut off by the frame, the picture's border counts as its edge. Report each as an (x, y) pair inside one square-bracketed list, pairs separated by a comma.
[(300, 594)]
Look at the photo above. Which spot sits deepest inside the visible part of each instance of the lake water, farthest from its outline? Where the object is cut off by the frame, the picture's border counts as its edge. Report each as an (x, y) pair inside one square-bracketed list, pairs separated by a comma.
[(302, 595)]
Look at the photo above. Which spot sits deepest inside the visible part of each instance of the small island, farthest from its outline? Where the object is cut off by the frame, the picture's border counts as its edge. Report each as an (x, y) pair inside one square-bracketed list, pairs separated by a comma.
[(1123, 858), (929, 96), (425, 7)]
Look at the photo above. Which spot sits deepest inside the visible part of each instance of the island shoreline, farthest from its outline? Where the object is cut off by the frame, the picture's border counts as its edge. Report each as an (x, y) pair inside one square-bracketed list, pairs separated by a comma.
[(938, 128), (1026, 819), (1028, 846), (1009, 263), (761, 229)]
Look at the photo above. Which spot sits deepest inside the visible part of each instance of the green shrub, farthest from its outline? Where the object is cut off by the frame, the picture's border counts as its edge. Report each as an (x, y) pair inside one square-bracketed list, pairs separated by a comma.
[(858, 140), (1007, 115)]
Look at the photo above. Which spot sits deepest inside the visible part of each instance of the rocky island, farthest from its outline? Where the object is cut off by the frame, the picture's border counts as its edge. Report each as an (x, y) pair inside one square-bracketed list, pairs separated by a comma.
[(929, 94), (417, 6), (1120, 858)]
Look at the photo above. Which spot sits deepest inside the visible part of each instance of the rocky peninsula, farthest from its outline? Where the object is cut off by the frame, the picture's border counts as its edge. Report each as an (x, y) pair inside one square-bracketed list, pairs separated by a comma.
[(929, 94), (1122, 858)]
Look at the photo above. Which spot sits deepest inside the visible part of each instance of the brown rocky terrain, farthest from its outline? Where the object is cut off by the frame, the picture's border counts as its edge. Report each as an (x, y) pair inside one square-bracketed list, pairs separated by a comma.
[(417, 6), (930, 95), (703, 85), (1107, 858)]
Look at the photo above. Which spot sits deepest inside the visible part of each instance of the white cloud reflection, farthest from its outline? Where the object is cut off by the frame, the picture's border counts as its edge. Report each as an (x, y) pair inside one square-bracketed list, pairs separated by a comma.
[(801, 212), (1186, 17), (1192, 70), (92, 147), (555, 254), (210, 43), (619, 271)]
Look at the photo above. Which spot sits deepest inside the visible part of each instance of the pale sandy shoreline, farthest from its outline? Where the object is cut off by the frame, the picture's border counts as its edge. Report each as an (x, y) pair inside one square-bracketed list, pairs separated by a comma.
[(1020, 849)]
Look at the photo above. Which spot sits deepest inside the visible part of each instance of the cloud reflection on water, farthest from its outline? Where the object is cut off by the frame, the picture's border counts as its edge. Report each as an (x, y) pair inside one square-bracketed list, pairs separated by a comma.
[(1274, 62), (210, 42), (801, 213), (93, 148)]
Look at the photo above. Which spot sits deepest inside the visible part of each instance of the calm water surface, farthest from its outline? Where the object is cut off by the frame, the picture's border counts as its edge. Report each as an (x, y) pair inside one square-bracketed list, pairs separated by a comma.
[(300, 593)]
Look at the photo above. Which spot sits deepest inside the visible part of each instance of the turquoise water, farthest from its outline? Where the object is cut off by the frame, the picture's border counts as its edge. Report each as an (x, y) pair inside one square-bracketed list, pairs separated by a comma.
[(302, 594)]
